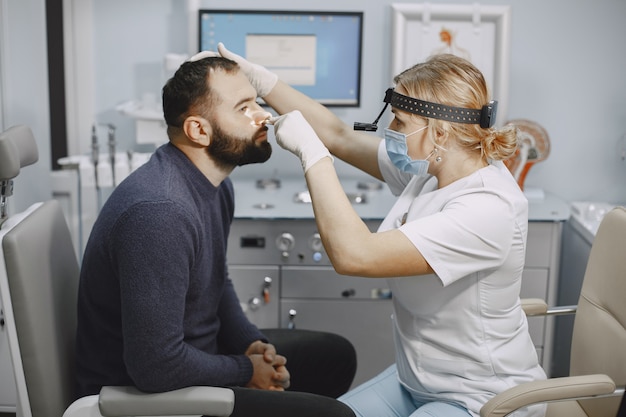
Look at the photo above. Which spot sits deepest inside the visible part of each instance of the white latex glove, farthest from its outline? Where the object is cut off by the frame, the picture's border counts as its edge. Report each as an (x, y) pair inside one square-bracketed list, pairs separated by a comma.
[(202, 55), (260, 77), (296, 135)]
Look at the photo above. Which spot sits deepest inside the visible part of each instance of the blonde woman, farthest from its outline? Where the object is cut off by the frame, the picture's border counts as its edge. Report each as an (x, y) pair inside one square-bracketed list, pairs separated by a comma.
[(452, 247)]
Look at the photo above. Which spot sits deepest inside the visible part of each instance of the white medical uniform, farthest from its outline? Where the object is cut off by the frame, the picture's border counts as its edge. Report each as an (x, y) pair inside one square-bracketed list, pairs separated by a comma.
[(461, 334)]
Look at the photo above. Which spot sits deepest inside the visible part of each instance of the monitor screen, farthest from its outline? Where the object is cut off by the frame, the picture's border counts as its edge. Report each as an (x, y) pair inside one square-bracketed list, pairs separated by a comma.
[(318, 53)]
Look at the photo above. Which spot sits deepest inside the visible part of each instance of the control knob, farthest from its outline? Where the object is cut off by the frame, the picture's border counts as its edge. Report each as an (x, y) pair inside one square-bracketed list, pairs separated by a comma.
[(285, 242), (315, 243)]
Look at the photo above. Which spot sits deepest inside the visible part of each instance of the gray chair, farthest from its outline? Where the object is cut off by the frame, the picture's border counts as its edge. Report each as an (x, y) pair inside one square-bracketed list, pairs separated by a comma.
[(38, 285), (598, 351)]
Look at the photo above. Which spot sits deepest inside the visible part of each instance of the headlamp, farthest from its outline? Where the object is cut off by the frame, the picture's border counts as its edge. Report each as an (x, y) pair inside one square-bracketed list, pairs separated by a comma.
[(373, 127), (485, 117)]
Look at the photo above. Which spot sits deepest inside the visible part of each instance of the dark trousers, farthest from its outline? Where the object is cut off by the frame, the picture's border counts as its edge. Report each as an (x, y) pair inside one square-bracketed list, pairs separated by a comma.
[(322, 367)]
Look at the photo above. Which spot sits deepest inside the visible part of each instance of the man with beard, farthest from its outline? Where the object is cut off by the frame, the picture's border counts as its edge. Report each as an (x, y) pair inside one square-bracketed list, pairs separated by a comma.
[(156, 308)]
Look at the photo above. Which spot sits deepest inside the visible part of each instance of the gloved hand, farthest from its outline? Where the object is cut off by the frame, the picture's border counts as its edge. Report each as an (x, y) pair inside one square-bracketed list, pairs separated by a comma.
[(296, 135), (202, 55), (260, 77)]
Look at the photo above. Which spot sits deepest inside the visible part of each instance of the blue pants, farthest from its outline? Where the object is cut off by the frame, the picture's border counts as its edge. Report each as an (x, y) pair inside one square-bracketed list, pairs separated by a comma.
[(384, 396)]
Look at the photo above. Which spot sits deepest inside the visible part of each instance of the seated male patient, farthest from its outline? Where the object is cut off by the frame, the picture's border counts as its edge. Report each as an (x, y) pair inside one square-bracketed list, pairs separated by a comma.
[(156, 308)]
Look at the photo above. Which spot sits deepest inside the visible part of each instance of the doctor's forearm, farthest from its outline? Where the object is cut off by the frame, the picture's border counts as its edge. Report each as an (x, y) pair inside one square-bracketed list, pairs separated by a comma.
[(340, 227), (284, 98)]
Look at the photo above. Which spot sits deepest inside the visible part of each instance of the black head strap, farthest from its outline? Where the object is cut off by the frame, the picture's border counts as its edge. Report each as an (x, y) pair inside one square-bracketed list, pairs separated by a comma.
[(485, 117)]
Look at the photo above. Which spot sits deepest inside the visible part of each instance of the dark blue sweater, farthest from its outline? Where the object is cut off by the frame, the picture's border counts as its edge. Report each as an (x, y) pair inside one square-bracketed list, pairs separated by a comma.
[(156, 308)]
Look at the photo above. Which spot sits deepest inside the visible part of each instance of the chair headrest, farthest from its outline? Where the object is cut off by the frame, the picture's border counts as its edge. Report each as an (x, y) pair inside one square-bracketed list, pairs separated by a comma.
[(17, 150)]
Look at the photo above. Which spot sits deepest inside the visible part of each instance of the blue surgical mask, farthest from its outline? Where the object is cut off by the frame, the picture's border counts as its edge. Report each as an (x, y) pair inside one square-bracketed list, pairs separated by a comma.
[(395, 143)]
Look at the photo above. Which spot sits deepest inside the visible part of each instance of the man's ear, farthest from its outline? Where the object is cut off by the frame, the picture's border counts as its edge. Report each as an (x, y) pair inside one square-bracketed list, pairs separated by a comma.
[(198, 130)]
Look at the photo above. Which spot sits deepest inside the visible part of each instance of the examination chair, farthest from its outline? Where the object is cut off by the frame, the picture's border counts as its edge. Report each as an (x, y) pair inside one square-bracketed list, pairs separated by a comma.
[(38, 285), (595, 386)]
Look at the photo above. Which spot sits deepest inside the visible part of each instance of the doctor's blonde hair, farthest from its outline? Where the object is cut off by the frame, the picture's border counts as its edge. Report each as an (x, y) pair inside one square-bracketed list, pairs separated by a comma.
[(453, 81)]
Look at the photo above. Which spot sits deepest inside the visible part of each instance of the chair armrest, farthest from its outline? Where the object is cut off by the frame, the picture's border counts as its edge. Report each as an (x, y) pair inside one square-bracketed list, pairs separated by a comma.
[(538, 307), (199, 401), (554, 389), (83, 407), (534, 306)]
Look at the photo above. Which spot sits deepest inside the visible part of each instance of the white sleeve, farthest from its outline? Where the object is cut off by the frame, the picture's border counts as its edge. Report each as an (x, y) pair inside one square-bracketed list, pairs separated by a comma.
[(473, 232)]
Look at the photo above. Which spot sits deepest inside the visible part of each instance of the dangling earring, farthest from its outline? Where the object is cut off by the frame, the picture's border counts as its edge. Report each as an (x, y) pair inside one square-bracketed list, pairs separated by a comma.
[(438, 158)]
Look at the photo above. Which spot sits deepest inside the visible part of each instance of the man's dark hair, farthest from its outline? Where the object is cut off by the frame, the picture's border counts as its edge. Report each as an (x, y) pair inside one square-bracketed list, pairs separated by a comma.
[(188, 91)]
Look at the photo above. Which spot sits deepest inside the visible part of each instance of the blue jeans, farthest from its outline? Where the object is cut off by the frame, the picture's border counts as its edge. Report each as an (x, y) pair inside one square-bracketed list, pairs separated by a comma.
[(384, 396)]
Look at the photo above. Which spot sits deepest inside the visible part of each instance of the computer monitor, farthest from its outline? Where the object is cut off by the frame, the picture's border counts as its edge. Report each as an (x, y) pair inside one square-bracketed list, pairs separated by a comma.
[(316, 52)]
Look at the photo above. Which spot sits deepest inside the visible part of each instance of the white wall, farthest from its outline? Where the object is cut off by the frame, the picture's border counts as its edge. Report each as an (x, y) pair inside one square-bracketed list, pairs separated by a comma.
[(24, 91), (567, 73)]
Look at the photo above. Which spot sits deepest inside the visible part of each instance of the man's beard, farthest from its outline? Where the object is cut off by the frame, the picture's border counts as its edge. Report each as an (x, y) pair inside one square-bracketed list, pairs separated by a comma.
[(230, 150)]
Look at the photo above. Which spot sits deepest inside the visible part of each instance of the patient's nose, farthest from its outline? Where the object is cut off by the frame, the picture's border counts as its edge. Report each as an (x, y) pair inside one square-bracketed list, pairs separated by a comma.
[(258, 117)]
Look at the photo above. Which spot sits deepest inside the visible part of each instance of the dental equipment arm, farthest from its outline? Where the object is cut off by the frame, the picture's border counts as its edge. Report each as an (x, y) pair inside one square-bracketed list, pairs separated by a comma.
[(112, 151), (95, 154)]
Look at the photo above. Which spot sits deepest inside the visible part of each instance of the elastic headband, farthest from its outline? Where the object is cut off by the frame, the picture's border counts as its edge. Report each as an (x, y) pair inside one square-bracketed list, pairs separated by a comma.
[(485, 117)]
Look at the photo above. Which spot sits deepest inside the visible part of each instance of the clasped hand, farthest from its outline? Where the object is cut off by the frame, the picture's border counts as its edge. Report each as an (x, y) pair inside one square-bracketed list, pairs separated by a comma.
[(269, 370)]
